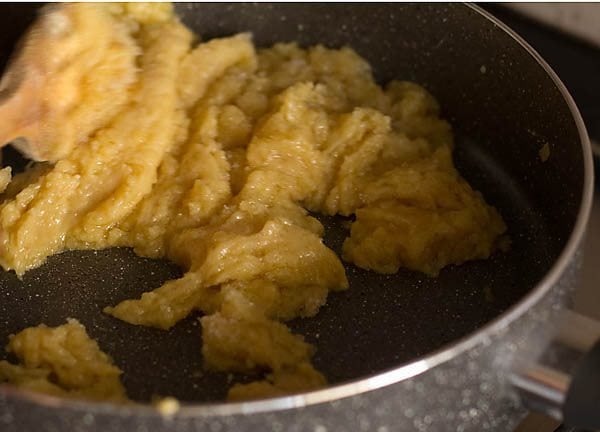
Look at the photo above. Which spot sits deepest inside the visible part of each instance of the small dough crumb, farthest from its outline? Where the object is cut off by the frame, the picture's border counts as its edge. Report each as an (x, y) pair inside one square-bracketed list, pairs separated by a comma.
[(167, 406), (544, 152)]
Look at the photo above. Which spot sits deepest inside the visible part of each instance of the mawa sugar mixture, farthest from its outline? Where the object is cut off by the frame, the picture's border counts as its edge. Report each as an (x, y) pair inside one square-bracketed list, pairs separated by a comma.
[(214, 155)]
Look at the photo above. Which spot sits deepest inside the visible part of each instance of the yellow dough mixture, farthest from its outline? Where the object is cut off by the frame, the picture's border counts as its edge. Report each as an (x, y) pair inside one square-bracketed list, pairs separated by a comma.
[(63, 361), (214, 161)]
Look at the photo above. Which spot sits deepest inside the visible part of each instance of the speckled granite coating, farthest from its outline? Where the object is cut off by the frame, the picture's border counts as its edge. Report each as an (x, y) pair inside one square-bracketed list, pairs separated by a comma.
[(467, 393)]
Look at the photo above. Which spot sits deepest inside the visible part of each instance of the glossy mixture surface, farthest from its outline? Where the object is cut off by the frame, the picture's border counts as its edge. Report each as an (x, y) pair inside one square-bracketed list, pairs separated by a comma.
[(215, 162)]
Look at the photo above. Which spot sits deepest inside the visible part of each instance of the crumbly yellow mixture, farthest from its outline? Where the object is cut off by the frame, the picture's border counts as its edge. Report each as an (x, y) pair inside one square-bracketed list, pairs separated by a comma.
[(214, 162), (62, 361)]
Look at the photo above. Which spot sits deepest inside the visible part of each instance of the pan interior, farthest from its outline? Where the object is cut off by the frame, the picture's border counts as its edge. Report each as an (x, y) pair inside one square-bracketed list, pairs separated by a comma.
[(501, 120), (380, 322)]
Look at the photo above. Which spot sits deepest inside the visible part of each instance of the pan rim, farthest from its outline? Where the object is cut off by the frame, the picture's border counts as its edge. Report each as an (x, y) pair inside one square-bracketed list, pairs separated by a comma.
[(402, 372)]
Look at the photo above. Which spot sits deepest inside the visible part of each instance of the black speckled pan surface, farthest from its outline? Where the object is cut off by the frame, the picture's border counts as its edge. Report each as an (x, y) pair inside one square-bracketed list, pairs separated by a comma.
[(501, 117)]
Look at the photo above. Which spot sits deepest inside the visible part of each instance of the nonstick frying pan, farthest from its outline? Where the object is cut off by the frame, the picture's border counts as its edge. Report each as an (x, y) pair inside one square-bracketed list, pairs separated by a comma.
[(401, 352)]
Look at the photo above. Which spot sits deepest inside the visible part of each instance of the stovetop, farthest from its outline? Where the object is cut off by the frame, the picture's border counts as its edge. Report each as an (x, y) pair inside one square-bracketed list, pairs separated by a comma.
[(577, 63)]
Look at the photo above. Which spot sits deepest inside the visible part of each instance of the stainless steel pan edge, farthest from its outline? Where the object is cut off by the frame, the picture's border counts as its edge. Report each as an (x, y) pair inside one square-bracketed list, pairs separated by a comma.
[(461, 387)]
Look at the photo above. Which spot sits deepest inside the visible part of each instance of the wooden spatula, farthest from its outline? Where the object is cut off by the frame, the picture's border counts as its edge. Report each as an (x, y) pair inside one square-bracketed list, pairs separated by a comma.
[(69, 75)]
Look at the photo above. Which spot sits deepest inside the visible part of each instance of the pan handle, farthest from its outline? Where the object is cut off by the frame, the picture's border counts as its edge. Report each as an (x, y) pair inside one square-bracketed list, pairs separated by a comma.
[(564, 381)]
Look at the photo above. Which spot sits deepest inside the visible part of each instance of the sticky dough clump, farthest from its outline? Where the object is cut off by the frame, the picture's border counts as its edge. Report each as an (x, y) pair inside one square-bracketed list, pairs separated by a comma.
[(63, 361), (215, 161)]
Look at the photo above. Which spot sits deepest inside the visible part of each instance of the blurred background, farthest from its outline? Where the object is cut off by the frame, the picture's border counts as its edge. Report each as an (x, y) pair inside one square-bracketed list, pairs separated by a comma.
[(567, 35)]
